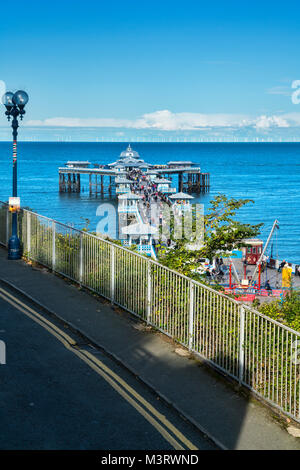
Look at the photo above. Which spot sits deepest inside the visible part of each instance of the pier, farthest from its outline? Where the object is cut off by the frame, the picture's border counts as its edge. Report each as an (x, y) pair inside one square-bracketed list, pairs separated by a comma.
[(137, 185), (101, 178)]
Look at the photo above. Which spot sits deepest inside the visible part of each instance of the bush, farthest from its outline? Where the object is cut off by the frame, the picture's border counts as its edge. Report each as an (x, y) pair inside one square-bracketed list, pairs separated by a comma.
[(286, 311)]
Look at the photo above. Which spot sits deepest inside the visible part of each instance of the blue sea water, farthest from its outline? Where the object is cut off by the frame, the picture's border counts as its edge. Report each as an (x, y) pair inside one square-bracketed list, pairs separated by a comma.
[(267, 173)]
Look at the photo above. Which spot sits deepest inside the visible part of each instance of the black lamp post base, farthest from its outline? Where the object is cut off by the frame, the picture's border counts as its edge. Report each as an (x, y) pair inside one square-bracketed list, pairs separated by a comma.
[(14, 248)]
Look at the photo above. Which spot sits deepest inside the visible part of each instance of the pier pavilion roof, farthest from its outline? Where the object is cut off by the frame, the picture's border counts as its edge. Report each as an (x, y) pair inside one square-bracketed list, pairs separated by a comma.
[(116, 165), (181, 163), (181, 196), (129, 159), (77, 163), (162, 181), (140, 229), (130, 153)]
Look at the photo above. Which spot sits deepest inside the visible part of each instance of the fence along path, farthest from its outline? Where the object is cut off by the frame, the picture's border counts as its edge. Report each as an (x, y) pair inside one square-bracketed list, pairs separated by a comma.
[(255, 350)]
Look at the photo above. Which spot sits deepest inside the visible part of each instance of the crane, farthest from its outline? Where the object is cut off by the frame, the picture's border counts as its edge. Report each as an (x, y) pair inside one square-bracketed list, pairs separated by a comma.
[(275, 226)]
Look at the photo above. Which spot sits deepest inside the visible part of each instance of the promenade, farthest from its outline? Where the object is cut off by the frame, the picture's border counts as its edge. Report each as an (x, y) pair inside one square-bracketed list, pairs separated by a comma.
[(230, 418), (269, 274)]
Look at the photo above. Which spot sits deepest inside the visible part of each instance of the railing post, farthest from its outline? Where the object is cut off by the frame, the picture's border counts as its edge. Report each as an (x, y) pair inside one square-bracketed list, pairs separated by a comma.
[(112, 274), (149, 291), (81, 260), (241, 344), (53, 246), (191, 316), (28, 219)]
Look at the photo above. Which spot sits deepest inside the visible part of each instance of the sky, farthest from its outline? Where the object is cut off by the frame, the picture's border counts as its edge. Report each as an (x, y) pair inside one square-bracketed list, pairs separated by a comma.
[(97, 69)]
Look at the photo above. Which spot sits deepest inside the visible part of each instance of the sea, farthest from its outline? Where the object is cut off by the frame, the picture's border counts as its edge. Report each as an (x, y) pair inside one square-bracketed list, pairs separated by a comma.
[(267, 173)]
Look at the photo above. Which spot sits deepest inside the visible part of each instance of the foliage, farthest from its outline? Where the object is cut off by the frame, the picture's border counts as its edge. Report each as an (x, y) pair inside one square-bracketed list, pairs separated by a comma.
[(286, 311), (222, 234)]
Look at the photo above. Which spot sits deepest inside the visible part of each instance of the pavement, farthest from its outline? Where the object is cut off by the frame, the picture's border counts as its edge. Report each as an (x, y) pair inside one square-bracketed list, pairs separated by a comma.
[(60, 393), (231, 419)]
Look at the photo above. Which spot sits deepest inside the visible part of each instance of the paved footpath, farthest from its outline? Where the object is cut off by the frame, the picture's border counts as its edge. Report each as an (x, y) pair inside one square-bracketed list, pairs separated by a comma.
[(231, 419), (59, 392)]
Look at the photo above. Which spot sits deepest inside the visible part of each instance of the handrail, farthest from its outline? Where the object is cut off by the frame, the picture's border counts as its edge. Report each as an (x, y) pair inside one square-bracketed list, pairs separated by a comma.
[(236, 338)]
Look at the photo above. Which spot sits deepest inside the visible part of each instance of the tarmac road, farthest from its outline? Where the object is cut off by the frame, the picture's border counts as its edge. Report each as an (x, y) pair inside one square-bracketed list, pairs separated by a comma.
[(58, 392)]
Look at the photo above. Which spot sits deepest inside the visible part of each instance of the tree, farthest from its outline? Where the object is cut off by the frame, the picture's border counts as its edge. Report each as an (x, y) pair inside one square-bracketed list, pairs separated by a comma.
[(222, 234)]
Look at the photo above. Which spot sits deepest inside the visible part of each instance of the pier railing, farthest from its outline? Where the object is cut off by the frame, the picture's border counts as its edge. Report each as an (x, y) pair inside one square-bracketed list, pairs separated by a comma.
[(255, 350)]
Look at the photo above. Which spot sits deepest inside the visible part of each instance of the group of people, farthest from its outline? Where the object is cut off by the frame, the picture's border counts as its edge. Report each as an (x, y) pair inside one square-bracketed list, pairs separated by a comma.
[(148, 190), (215, 271), (141, 184)]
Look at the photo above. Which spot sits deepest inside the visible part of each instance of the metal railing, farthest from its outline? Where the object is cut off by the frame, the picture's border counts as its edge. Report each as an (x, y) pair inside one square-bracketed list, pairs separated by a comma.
[(257, 351)]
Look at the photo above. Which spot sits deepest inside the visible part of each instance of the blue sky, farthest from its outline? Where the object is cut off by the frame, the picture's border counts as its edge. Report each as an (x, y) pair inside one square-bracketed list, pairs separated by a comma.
[(161, 65)]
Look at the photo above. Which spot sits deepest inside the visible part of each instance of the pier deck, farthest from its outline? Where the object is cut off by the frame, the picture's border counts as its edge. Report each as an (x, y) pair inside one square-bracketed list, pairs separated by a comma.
[(101, 180)]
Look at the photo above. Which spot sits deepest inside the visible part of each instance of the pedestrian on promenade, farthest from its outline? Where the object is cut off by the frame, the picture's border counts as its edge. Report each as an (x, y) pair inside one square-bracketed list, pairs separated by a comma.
[(287, 276), (282, 264), (267, 285)]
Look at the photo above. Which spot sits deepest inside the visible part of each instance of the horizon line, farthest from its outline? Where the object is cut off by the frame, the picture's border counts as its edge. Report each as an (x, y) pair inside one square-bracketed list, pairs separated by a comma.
[(150, 142)]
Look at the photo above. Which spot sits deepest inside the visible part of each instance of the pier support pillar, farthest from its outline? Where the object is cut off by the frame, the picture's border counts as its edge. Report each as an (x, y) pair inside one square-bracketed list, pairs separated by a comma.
[(190, 182), (63, 183), (180, 182), (69, 183)]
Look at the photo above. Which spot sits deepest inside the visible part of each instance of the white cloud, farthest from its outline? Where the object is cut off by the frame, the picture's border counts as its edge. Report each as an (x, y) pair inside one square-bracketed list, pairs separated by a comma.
[(264, 122), (168, 121), (280, 90), (80, 122), (292, 118)]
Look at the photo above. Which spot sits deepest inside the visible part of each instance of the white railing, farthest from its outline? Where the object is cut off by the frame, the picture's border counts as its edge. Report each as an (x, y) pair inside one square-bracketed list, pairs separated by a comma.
[(257, 351)]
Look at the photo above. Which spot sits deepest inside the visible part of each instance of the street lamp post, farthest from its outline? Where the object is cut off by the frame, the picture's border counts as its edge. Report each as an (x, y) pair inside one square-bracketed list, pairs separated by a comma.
[(14, 103)]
